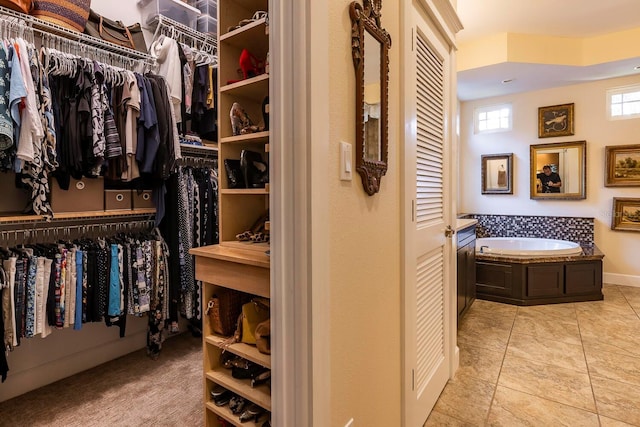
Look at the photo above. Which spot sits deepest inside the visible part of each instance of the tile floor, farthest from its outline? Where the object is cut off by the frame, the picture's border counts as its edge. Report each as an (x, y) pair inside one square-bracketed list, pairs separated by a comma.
[(574, 364)]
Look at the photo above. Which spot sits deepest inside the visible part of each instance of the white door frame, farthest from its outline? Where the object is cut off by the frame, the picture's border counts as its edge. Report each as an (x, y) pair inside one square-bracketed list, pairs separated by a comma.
[(299, 134)]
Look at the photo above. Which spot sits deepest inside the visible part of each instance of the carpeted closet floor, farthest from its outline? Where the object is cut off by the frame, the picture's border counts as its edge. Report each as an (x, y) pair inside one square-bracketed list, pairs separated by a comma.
[(132, 390)]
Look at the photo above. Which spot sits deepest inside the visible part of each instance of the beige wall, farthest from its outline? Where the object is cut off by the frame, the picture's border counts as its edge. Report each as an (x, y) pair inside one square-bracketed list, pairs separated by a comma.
[(364, 247), (620, 248)]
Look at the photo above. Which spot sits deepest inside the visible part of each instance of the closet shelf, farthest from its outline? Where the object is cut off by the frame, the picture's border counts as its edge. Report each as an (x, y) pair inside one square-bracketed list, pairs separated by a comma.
[(249, 352), (258, 138), (234, 419), (247, 35), (248, 88), (260, 395), (245, 191), (73, 216), (45, 27)]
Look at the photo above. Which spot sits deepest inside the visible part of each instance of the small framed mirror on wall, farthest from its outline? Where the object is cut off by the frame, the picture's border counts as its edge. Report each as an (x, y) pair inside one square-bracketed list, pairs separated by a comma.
[(497, 174), (370, 50), (558, 170)]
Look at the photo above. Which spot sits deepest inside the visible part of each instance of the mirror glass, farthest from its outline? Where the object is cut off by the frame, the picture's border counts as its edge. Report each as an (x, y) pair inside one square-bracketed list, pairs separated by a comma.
[(372, 98), (558, 170)]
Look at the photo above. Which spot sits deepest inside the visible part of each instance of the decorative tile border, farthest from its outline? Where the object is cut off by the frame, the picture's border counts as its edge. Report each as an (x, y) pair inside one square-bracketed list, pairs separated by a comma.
[(579, 230)]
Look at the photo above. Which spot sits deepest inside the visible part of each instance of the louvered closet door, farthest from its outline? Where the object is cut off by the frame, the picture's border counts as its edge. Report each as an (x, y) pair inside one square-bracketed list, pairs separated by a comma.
[(426, 358)]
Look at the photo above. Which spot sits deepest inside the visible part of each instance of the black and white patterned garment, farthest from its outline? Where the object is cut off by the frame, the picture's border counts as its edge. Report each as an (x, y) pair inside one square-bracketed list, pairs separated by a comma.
[(34, 173), (99, 105)]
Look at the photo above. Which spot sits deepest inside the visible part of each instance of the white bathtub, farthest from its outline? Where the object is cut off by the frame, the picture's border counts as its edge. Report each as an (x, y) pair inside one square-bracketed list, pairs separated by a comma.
[(526, 246)]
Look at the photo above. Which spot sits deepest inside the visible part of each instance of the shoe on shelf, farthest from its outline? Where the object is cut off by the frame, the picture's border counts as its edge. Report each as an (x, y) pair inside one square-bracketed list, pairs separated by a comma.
[(256, 17), (257, 227), (237, 404), (255, 170), (220, 395), (250, 66), (253, 412)]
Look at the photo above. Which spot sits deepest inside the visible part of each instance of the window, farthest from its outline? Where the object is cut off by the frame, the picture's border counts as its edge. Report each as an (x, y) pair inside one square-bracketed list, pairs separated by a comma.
[(623, 102), (493, 118)]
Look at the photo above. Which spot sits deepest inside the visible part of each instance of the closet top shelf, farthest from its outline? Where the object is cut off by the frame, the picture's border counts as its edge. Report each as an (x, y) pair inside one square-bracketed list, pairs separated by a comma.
[(45, 27), (120, 215)]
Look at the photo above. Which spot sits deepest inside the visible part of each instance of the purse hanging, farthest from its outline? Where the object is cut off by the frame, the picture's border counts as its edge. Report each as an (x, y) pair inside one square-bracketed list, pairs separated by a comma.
[(23, 6), (115, 32)]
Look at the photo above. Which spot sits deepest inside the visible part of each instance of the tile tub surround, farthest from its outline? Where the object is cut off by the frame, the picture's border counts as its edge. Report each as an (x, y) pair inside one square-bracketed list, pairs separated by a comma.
[(573, 229)]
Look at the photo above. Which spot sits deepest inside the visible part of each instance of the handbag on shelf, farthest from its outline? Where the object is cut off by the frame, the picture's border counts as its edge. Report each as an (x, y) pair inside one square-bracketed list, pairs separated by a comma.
[(115, 32), (223, 310), (253, 313), (23, 6), (263, 336), (69, 14)]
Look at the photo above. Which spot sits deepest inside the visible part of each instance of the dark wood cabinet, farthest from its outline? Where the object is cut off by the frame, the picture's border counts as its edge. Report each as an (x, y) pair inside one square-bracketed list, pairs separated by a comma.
[(466, 268)]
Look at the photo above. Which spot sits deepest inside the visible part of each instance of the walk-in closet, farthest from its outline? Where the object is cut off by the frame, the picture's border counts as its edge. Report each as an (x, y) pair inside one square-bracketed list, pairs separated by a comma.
[(120, 166)]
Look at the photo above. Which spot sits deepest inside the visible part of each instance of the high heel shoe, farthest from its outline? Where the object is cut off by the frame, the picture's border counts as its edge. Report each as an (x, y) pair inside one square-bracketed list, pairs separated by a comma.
[(265, 113), (252, 412), (239, 119), (250, 65), (254, 169), (257, 227)]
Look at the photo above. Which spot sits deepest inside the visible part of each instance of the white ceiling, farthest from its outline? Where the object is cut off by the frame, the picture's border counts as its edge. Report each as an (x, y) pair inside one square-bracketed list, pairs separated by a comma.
[(563, 18)]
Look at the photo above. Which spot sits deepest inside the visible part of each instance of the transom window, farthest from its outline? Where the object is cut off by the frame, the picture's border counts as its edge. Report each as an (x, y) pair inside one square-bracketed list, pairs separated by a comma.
[(492, 118), (623, 102)]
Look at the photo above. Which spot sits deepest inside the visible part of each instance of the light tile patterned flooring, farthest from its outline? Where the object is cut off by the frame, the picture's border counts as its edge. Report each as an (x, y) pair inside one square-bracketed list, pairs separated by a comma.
[(574, 365)]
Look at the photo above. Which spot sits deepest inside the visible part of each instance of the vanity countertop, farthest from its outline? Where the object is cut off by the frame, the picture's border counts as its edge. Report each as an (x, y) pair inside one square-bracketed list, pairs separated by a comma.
[(461, 224), (589, 253)]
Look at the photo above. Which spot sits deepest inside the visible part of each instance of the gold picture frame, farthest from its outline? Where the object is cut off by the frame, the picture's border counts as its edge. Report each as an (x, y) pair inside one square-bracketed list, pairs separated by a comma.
[(555, 120), (626, 214), (497, 173), (622, 166)]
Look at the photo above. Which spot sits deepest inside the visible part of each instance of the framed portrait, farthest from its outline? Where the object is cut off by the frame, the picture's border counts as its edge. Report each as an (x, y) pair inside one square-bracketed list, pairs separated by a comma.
[(626, 214), (623, 166), (556, 120), (497, 173)]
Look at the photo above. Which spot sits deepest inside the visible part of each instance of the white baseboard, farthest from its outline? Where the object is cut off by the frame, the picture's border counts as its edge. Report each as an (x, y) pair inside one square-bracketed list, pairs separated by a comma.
[(621, 279)]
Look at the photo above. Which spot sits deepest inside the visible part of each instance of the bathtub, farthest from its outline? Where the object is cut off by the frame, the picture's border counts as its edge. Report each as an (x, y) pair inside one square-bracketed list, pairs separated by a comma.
[(526, 247)]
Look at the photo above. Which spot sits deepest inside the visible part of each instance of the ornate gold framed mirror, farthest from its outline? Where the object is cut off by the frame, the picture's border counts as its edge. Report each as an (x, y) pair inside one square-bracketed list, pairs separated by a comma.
[(370, 50), (558, 171)]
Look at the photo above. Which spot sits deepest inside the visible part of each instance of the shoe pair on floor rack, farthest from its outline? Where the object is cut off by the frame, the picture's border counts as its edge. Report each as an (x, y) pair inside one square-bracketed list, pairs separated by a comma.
[(241, 123)]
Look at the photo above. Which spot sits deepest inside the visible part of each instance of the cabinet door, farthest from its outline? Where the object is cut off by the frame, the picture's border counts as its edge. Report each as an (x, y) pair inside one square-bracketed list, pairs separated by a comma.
[(462, 279), (545, 280), (471, 273), (583, 278)]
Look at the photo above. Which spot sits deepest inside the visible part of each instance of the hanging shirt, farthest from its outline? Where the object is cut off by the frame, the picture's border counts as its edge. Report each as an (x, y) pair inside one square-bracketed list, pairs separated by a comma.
[(131, 94), (31, 131), (165, 51), (6, 124)]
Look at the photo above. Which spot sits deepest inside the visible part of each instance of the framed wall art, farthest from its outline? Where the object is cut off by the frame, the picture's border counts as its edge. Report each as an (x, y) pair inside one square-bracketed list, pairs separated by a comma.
[(622, 166), (555, 120), (497, 173), (626, 214)]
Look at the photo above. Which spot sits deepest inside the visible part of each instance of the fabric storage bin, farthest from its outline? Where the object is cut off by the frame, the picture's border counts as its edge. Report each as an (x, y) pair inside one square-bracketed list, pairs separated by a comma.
[(208, 24), (172, 9), (83, 195), (142, 200), (12, 200), (117, 200), (208, 7)]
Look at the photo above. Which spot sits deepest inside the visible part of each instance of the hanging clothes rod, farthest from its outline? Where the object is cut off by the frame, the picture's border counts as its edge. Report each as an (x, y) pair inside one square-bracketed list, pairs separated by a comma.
[(181, 33), (70, 219), (45, 27)]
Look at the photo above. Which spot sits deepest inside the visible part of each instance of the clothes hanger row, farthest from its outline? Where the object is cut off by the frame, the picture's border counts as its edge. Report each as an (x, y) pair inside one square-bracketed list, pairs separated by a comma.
[(28, 236), (204, 46)]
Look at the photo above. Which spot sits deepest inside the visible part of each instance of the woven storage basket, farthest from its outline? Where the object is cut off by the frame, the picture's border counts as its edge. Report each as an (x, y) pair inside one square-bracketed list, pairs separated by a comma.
[(70, 14)]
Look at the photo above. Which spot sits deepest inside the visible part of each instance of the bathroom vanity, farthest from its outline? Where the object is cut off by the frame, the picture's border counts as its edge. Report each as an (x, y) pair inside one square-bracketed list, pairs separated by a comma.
[(466, 264)]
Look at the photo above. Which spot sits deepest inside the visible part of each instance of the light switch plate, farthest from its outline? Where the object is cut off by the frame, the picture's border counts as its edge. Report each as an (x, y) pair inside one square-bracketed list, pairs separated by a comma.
[(346, 163)]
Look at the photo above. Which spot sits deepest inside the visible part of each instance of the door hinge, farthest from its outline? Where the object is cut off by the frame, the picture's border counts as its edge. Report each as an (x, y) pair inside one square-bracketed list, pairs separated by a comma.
[(413, 44), (413, 379), (413, 210)]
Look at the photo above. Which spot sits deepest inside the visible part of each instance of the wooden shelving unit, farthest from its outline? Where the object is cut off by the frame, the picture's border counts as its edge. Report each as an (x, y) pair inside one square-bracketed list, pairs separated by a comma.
[(243, 266)]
